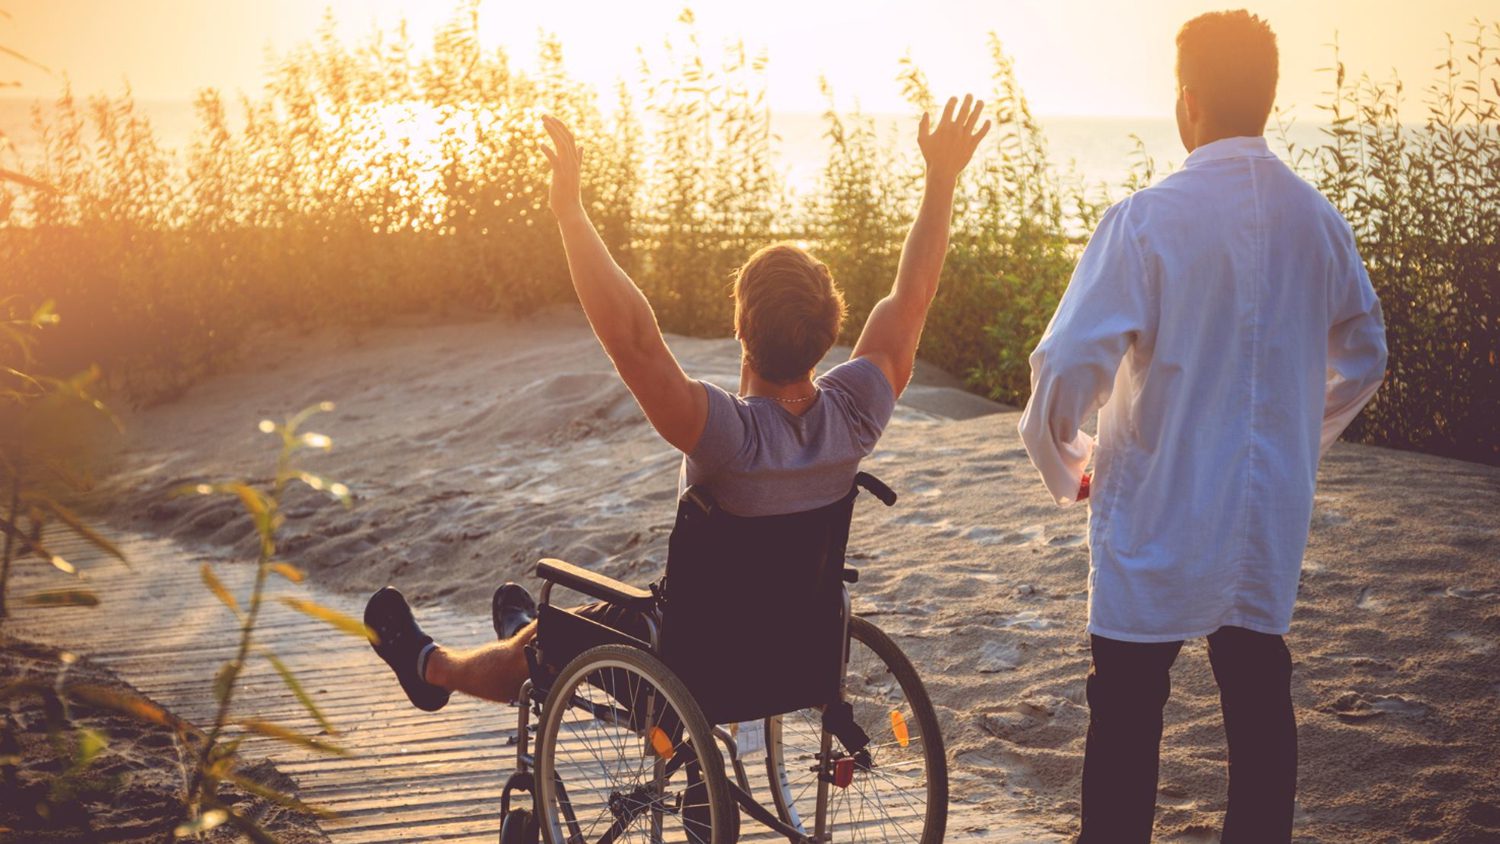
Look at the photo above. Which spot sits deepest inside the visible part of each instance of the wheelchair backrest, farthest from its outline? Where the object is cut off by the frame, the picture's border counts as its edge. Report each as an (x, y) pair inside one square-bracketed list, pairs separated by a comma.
[(753, 608)]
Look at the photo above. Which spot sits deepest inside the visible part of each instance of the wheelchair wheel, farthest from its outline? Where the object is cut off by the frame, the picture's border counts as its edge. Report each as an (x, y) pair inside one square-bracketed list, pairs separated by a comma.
[(624, 753), (902, 796)]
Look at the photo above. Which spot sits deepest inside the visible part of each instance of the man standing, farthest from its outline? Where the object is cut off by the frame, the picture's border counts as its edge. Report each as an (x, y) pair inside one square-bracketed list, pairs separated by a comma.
[(1223, 326)]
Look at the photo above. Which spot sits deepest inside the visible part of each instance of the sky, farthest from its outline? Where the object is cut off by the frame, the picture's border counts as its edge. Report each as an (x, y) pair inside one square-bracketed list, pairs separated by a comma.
[(1073, 57)]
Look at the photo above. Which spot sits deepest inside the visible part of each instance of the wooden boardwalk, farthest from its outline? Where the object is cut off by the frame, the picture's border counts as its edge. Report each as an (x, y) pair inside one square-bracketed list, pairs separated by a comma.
[(409, 775)]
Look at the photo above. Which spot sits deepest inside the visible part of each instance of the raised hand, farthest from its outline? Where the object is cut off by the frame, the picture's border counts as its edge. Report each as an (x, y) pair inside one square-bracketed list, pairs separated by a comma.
[(564, 197), (948, 148)]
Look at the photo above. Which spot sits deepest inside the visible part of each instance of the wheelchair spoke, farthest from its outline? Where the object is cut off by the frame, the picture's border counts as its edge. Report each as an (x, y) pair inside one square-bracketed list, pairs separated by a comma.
[(889, 800), (626, 757)]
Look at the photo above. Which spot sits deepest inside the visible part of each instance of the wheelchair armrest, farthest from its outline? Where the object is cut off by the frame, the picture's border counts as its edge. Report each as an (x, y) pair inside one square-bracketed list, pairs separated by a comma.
[(595, 585)]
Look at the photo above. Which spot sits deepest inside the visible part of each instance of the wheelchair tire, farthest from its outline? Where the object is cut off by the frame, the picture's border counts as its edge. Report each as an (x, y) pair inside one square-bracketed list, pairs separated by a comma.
[(519, 827), (935, 761), (703, 806)]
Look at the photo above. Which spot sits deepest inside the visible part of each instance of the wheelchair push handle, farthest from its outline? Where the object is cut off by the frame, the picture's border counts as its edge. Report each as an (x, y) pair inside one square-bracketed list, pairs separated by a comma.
[(876, 487)]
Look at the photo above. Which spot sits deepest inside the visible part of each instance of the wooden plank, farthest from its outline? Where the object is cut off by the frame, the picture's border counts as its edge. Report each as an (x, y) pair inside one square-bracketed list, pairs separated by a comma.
[(410, 775)]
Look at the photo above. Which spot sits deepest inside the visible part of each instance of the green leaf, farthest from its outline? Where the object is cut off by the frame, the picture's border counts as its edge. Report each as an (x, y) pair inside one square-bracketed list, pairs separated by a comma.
[(303, 697), (62, 598), (203, 823), (306, 412), (221, 592), (62, 565), (348, 624), (90, 744), (45, 314), (224, 751), (274, 796), (34, 545), (288, 571), (250, 829), (255, 502), (75, 524), (224, 680), (311, 440), (127, 704), (280, 733), (322, 484)]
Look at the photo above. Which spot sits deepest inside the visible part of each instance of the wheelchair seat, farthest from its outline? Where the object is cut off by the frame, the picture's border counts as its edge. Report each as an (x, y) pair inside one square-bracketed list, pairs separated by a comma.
[(751, 611)]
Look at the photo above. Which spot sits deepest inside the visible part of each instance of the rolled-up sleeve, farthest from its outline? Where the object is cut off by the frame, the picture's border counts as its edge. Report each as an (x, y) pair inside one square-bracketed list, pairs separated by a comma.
[(1356, 343), (1109, 303)]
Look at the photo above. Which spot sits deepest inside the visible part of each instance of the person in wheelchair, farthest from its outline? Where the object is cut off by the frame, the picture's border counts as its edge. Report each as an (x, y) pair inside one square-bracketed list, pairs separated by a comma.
[(787, 443), (631, 688)]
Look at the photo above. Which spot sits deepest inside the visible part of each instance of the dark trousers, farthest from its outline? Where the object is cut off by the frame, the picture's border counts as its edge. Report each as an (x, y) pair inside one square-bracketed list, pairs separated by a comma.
[(1128, 685)]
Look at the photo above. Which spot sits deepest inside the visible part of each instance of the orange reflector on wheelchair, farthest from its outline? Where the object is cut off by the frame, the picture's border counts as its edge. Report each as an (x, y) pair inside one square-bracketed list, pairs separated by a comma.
[(661, 745), (898, 726)]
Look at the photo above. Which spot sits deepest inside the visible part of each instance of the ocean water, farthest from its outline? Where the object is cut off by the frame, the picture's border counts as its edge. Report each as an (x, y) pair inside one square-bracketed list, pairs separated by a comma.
[(1099, 150)]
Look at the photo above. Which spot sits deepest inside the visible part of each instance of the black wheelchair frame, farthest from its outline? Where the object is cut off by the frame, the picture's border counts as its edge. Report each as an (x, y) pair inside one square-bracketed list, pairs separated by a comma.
[(837, 715)]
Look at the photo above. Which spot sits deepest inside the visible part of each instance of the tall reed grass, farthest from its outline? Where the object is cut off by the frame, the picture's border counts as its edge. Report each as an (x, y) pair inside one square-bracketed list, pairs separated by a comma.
[(1424, 202), (372, 180)]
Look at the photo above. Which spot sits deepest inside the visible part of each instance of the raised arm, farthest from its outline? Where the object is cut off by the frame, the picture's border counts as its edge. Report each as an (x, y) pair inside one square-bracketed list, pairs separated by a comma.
[(894, 329), (621, 317)]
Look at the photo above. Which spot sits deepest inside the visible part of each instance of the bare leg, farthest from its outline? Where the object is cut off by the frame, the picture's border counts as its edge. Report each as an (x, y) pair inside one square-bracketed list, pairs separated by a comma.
[(493, 672)]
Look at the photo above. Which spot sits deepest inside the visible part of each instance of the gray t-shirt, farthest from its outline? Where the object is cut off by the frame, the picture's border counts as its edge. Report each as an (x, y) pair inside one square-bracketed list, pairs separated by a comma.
[(758, 459)]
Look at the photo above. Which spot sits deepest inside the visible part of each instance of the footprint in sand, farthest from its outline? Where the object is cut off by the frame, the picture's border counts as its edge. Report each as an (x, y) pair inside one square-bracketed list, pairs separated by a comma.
[(923, 489), (1397, 705), (1032, 712), (997, 536), (1476, 645), (1325, 515), (1029, 620), (995, 657), (983, 535), (1172, 794), (1365, 663), (1353, 707), (920, 518), (984, 467), (1066, 540), (1463, 593), (1368, 601)]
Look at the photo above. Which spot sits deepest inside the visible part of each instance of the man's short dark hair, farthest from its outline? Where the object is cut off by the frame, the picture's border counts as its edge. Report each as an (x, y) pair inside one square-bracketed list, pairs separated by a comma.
[(1228, 60)]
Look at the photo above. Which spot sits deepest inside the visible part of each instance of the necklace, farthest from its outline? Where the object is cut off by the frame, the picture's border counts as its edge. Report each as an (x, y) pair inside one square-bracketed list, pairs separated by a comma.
[(790, 401)]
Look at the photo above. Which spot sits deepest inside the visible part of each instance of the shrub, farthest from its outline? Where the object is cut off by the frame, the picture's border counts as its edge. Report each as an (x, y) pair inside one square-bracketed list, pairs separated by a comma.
[(1424, 203), (366, 181)]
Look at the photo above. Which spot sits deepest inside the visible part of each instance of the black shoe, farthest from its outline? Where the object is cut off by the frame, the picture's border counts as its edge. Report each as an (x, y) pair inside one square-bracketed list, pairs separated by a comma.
[(400, 642), (511, 608)]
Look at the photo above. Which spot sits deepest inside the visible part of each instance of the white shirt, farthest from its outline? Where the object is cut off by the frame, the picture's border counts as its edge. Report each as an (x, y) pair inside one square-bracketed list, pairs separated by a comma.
[(1224, 328)]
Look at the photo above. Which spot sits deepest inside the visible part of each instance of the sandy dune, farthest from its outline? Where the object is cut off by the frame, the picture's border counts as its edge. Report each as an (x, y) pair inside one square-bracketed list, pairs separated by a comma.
[(476, 448)]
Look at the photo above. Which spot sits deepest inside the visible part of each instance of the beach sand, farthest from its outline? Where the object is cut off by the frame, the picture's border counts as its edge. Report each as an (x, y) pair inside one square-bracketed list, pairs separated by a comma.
[(475, 448)]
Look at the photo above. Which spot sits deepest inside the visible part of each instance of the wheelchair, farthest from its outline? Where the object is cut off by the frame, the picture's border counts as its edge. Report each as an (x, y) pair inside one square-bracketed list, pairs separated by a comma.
[(744, 655)]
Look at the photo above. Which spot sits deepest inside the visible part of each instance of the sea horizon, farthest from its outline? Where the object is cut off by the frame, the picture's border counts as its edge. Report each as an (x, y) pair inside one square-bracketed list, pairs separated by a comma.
[(1100, 150)]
